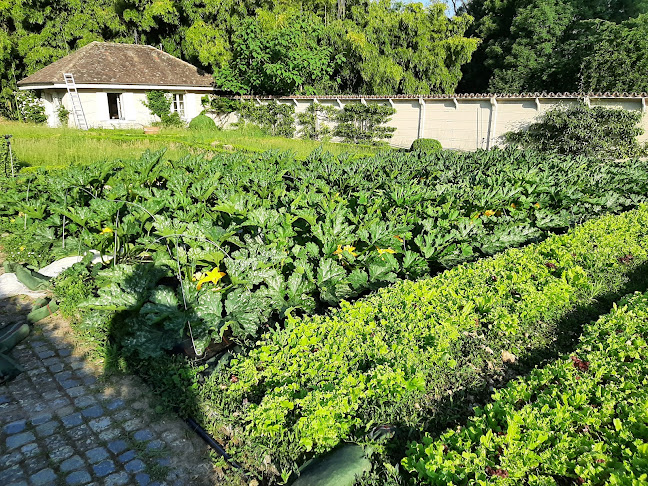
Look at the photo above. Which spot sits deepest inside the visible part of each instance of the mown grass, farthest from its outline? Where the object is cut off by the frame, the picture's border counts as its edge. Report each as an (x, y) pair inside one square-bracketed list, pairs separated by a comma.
[(38, 145)]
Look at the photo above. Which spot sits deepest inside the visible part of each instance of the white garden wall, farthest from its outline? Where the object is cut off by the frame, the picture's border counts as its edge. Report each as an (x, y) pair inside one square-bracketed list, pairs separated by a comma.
[(464, 122)]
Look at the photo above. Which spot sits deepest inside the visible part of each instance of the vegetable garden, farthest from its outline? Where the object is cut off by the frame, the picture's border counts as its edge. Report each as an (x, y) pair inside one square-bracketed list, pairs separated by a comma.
[(348, 299)]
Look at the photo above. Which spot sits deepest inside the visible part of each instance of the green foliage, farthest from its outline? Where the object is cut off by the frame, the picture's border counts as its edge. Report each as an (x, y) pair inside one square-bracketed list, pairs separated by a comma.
[(426, 145), (579, 130), (279, 53), (276, 118), (557, 45), (29, 108), (158, 103), (393, 356), (363, 123), (314, 121), (63, 115), (592, 401), (202, 122), (220, 105)]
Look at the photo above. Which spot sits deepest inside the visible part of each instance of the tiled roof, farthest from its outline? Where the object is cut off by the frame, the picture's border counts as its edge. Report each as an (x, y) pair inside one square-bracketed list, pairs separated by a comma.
[(109, 63)]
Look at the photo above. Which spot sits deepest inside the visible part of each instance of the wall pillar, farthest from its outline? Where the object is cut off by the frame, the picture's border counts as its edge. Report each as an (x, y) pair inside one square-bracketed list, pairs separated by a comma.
[(421, 127)]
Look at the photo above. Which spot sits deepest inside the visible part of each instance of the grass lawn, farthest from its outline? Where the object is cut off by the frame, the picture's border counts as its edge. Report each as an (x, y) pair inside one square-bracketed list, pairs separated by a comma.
[(36, 145)]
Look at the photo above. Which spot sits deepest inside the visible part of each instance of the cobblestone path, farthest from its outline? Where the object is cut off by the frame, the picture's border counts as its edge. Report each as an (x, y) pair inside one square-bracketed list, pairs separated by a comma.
[(61, 425)]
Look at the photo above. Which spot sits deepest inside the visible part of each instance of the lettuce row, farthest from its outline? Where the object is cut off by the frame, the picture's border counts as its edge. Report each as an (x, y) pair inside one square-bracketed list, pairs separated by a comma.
[(580, 420)]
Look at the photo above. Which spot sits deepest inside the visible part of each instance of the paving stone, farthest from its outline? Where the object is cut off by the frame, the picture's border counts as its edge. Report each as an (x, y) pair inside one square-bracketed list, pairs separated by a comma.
[(18, 483), (118, 479), (117, 446), (143, 479), (4, 399), (77, 391), (43, 477), (63, 375), (155, 445), (60, 402), (47, 429), (164, 461), (64, 353), (111, 434), (15, 427), (46, 353), (41, 419), (61, 453), (14, 473), (72, 464), (55, 368), (143, 435), (127, 456), (115, 404), (36, 463), (133, 424), (72, 420), (56, 441), (89, 380), (9, 460), (51, 395), (100, 424), (104, 468), (93, 412), (71, 383), (135, 466), (19, 440), (85, 401), (123, 415), (52, 361), (30, 450), (78, 477), (97, 454), (80, 433)]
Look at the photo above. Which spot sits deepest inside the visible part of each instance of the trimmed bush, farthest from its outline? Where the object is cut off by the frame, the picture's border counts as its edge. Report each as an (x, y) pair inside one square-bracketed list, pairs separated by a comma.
[(579, 130), (202, 123), (426, 145), (392, 357), (580, 420)]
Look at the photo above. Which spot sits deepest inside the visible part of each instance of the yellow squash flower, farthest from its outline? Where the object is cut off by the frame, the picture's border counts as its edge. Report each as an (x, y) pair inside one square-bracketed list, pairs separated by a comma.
[(399, 238), (382, 251), (537, 205), (214, 276), (489, 213), (106, 231), (348, 248), (513, 205)]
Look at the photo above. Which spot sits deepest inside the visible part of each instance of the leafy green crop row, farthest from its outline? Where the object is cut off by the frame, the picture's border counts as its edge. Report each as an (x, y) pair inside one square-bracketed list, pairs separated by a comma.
[(392, 357), (231, 244), (581, 420)]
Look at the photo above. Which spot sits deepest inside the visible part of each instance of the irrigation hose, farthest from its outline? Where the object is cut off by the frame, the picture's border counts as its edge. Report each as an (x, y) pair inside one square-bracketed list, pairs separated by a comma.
[(211, 442)]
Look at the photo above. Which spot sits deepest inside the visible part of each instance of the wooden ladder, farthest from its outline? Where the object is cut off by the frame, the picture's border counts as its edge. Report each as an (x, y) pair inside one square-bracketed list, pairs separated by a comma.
[(77, 108)]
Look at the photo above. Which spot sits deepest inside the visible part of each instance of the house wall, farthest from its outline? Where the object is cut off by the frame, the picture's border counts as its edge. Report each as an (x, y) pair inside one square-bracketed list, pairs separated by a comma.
[(462, 123), (95, 107)]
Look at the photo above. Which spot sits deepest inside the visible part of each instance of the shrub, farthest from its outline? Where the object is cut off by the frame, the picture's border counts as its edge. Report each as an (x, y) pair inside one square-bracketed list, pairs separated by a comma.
[(30, 108), (202, 123), (273, 117), (426, 145), (359, 123), (580, 420), (390, 357), (314, 120), (579, 130), (63, 115), (159, 103)]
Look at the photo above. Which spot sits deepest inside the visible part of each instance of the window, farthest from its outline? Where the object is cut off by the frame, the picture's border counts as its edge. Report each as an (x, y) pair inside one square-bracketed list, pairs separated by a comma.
[(115, 111), (178, 105)]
